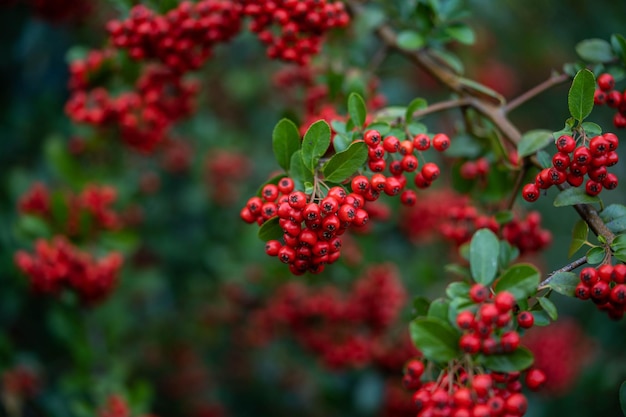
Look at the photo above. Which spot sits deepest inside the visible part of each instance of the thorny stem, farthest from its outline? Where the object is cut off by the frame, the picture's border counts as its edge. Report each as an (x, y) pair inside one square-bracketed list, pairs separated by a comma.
[(567, 268), (487, 105)]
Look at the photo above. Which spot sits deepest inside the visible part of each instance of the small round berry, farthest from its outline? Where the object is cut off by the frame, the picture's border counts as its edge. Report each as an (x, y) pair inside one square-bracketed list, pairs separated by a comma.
[(535, 378), (272, 247), (525, 319), (510, 341), (465, 320), (297, 200), (504, 301), (286, 185), (582, 292), (421, 142), (409, 163), (391, 144), (372, 138), (408, 198), (593, 188), (565, 144), (420, 181), (441, 142), (430, 171), (469, 343), (516, 404), (610, 182), (530, 192), (360, 184), (482, 384), (599, 97), (582, 155), (606, 82), (415, 368), (478, 293), (406, 147), (613, 99)]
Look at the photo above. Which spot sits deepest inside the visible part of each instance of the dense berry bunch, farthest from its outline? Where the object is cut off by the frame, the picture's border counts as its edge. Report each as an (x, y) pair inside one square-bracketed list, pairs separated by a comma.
[(615, 99), (473, 170), (459, 222), (224, 172), (183, 38), (57, 264), (344, 329), (573, 162), (86, 72), (606, 287), (292, 29), (526, 234)]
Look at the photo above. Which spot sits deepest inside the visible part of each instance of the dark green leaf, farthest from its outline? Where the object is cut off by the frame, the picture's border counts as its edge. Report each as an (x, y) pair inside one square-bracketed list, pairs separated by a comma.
[(579, 237), (33, 226), (508, 253), (341, 141), (483, 253), (521, 280), (619, 242), (420, 306), (549, 307), (595, 255), (461, 32), (315, 143), (595, 51), (439, 308), (338, 126), (435, 338), (343, 164), (270, 230), (410, 40), (617, 225), (518, 360), (572, 196), (459, 304), (533, 141), (544, 159), (622, 395), (541, 318), (504, 217), (591, 129), (612, 212), (564, 283), (299, 172), (415, 128), (449, 59), (620, 254), (458, 269), (285, 141), (357, 109), (580, 96), (382, 127), (415, 105), (457, 289), (619, 46)]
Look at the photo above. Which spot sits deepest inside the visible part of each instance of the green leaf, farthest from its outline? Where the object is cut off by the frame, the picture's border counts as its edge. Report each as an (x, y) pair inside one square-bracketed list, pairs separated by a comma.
[(382, 127), (548, 307), (592, 129), (518, 360), (415, 105), (533, 141), (595, 255), (504, 216), (572, 196), (410, 40), (420, 306), (617, 225), (619, 46), (341, 141), (458, 269), (620, 254), (457, 289), (481, 89), (439, 308), (315, 143), (436, 339), (612, 212), (285, 141), (595, 50), (449, 59), (564, 283), (343, 164), (299, 172), (483, 253), (544, 159), (33, 226), (461, 32), (459, 304), (579, 237), (541, 318), (357, 109), (622, 397), (619, 242), (580, 96), (508, 253), (521, 280), (270, 230)]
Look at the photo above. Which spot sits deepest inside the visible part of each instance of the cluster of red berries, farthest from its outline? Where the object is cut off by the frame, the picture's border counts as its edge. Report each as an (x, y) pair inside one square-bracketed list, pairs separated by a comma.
[(490, 330), (225, 171), (527, 234), (606, 287), (606, 94), (394, 183), (459, 393), (94, 201), (571, 163), (459, 222), (57, 264), (293, 29), (471, 170), (312, 227), (20, 381), (183, 38), (143, 116), (344, 329), (85, 72)]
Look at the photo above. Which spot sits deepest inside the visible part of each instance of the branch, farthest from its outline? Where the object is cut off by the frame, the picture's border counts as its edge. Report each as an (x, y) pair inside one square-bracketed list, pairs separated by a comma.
[(567, 268), (555, 79)]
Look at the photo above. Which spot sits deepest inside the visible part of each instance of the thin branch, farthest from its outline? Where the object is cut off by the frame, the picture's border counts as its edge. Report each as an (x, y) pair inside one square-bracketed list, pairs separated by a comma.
[(567, 268), (519, 181), (555, 79)]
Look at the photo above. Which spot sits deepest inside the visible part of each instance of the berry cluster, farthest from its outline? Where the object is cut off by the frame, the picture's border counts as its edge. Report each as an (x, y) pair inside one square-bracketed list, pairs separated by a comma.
[(344, 329), (460, 393), (224, 172), (571, 163), (527, 234), (21, 382), (292, 29), (312, 226), (606, 287), (489, 330), (57, 264), (183, 38), (606, 94), (472, 170), (144, 116)]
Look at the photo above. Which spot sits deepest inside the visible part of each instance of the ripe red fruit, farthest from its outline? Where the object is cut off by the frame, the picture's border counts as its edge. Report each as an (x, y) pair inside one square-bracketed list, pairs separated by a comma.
[(441, 142), (535, 378), (421, 142), (360, 184), (372, 138), (415, 368), (510, 341), (482, 384), (606, 82), (530, 192), (613, 99), (430, 171), (593, 188), (488, 313), (469, 343), (391, 144), (516, 404), (285, 185), (465, 320), (504, 301), (408, 198), (525, 319), (565, 144), (478, 293)]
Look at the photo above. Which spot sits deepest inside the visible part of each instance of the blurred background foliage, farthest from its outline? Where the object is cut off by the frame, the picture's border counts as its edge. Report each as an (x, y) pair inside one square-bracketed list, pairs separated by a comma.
[(169, 330)]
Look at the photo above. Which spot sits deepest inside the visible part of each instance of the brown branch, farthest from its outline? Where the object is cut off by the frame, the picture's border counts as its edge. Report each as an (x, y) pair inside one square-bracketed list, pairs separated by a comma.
[(567, 268), (554, 80)]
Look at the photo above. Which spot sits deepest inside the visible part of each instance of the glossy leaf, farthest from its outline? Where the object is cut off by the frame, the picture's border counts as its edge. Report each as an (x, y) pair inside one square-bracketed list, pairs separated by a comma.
[(410, 40), (574, 195), (508, 253), (564, 283), (518, 360), (357, 109), (619, 46), (544, 159), (541, 318), (439, 308), (592, 129), (457, 289), (285, 141), (521, 280), (315, 143), (435, 338), (483, 256), (299, 172), (415, 105), (533, 141), (595, 255), (270, 230), (595, 50), (579, 237), (420, 306), (344, 164), (461, 32), (549, 307), (580, 96), (612, 212)]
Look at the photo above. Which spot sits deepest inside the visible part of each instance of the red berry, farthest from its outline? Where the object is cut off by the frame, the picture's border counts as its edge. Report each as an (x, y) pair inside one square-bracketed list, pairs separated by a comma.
[(360, 184), (285, 185), (441, 142), (530, 192), (409, 163), (372, 138), (430, 171), (504, 301), (599, 97), (565, 144), (469, 343), (465, 320), (421, 142), (516, 404), (406, 147), (478, 293), (606, 82), (391, 144), (415, 368), (510, 341), (525, 319), (408, 198), (593, 188), (535, 378), (272, 247), (482, 384), (613, 99)]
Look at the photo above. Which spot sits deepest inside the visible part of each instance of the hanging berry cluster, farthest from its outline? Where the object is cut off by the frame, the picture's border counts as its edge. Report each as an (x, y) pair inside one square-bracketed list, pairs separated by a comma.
[(572, 163), (615, 99), (606, 287)]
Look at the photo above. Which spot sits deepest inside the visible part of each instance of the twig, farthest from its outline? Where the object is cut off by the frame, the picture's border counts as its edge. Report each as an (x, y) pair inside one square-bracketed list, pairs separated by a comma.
[(516, 188), (538, 89), (567, 268)]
